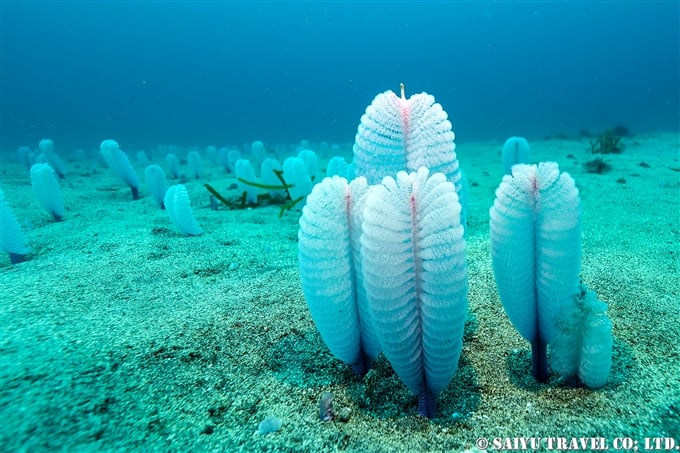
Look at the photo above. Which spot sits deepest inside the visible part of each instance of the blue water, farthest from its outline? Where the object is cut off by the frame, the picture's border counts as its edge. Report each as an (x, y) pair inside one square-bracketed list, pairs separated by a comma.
[(217, 73)]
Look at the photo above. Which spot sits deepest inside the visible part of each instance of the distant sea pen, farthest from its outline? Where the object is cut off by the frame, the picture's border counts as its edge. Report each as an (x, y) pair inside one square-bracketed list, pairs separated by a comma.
[(46, 189), (244, 170), (46, 147), (155, 181), (12, 240), (195, 163), (119, 163), (178, 206), (173, 165)]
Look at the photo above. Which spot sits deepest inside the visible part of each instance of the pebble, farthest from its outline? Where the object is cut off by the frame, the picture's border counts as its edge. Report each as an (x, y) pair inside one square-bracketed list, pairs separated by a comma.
[(269, 425)]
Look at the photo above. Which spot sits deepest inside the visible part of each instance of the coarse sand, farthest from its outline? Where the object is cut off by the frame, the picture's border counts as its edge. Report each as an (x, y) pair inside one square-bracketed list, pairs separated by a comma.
[(120, 334)]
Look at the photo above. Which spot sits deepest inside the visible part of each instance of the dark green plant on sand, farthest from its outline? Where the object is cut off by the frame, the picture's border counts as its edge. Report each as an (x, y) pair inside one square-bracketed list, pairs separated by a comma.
[(609, 142), (597, 165), (240, 203)]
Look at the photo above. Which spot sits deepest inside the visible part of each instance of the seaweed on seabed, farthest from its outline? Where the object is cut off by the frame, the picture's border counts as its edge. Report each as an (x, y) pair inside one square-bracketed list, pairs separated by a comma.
[(287, 205), (597, 165), (609, 142)]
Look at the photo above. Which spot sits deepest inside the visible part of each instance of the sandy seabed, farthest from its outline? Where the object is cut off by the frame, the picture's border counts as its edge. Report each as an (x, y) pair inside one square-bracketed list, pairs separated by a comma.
[(120, 334)]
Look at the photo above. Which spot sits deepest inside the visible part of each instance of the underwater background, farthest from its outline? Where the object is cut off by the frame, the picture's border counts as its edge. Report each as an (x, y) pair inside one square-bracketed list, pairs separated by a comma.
[(189, 73), (126, 329)]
